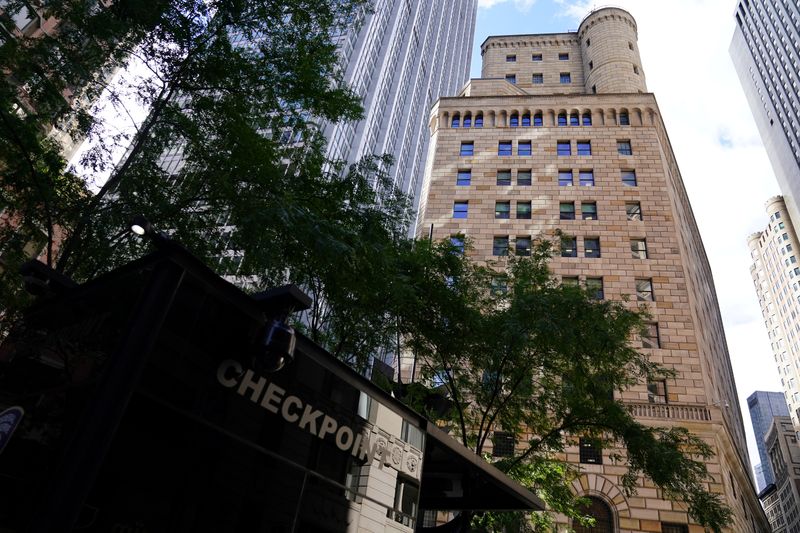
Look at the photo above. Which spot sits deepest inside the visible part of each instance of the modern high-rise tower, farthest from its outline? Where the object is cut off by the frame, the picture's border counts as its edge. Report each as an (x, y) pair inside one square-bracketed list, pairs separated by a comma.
[(764, 406), (399, 59), (766, 52), (561, 133), (776, 276)]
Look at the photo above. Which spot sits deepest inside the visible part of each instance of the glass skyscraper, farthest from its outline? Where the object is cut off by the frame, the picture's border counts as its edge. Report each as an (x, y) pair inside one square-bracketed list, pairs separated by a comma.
[(766, 52), (764, 406)]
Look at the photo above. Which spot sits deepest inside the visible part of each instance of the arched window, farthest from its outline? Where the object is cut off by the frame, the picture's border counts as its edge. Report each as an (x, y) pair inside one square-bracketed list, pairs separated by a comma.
[(603, 519), (467, 120), (456, 121), (574, 120), (479, 120), (624, 119), (562, 119), (526, 120), (514, 120), (537, 120), (587, 119)]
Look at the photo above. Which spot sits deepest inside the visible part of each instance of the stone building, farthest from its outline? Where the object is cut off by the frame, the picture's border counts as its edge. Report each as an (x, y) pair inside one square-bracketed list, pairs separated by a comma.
[(776, 276), (784, 456), (561, 133)]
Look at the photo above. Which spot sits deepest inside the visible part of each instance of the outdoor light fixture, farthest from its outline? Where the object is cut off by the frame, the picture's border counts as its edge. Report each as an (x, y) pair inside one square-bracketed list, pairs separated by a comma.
[(141, 226), (275, 347), (144, 228)]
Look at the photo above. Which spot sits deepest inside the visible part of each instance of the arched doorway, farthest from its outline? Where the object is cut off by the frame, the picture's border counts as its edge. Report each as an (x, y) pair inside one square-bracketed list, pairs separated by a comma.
[(604, 519)]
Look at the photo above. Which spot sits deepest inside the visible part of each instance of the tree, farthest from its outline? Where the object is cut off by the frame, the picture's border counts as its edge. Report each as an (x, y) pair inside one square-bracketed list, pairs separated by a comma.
[(518, 352), (239, 89)]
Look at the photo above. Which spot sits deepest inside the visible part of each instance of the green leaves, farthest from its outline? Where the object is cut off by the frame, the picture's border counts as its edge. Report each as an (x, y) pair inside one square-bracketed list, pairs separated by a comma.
[(541, 361)]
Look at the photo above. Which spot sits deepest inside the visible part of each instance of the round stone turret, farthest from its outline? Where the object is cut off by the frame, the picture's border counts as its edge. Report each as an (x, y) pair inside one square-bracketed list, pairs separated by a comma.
[(610, 52)]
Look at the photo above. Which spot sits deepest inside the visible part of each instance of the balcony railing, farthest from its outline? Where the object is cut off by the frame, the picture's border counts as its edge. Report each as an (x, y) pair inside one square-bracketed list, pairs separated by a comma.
[(669, 412)]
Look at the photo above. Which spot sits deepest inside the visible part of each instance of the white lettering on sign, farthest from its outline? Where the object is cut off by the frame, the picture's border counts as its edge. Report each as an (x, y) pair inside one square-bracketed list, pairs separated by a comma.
[(367, 446)]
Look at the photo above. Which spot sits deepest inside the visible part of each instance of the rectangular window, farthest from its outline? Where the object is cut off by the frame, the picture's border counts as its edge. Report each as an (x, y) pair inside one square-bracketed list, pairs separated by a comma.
[(590, 452), (563, 57), (511, 58), (569, 281), (502, 444), (523, 246), (586, 178), (584, 148), (565, 77), (460, 209), (591, 247), (524, 210), (406, 496), (504, 148), (538, 78), (628, 178), (633, 210), (624, 148), (657, 391), (536, 57), (565, 178), (503, 178), (650, 336), (457, 241), (564, 148), (569, 247), (595, 288), (467, 148), (464, 177), (624, 120), (523, 177), (502, 210), (566, 211), (589, 210), (644, 290), (511, 78), (524, 148), (537, 120), (500, 245), (639, 248), (675, 528)]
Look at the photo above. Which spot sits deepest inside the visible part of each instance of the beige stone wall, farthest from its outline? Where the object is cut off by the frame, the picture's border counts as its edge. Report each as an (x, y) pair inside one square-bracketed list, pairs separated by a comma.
[(692, 339), (610, 51), (496, 51)]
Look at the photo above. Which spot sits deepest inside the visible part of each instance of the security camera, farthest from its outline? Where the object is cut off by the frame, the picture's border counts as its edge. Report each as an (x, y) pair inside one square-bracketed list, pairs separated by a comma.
[(275, 347)]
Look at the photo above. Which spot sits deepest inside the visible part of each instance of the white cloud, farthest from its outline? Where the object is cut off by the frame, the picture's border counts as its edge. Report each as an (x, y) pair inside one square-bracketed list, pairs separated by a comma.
[(684, 52)]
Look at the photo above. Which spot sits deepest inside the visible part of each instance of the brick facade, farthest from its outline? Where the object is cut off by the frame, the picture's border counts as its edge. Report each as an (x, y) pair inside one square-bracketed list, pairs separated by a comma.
[(611, 115)]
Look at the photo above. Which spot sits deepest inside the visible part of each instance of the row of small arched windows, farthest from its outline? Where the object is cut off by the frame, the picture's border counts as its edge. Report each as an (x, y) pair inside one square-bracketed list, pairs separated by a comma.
[(535, 120)]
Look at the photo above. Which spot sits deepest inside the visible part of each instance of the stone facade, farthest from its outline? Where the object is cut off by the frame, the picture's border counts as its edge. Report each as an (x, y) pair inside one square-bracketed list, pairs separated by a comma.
[(784, 456), (598, 149), (776, 276)]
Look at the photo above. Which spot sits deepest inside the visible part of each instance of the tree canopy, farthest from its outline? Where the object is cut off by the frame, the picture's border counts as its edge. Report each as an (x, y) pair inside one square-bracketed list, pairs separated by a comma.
[(518, 353)]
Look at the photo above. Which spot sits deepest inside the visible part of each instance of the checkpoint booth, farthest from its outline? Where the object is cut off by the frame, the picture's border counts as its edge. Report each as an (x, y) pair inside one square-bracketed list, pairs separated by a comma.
[(150, 404)]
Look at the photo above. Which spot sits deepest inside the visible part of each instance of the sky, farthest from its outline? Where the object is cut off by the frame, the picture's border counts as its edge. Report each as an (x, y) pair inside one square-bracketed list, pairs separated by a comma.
[(684, 50)]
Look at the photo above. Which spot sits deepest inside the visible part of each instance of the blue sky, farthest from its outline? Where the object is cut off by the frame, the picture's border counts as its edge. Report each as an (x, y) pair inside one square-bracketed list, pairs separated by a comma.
[(511, 17), (684, 49)]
